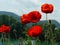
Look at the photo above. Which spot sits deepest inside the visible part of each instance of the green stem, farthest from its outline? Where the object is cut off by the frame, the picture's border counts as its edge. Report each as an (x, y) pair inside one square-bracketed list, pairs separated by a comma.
[(20, 41), (52, 35), (2, 39), (28, 40), (46, 17), (46, 41), (38, 41)]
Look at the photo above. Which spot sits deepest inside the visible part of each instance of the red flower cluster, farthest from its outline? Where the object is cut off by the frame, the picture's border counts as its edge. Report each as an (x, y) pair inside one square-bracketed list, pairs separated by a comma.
[(47, 8), (4, 28), (34, 31), (33, 16)]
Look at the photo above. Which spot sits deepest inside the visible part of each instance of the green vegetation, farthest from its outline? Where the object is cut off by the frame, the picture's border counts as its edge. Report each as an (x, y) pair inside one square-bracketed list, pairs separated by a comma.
[(49, 34)]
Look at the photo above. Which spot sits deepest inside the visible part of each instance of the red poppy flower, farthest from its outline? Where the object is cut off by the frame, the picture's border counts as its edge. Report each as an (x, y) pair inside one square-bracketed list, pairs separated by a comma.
[(1, 30), (34, 16), (5, 28), (34, 31), (47, 8), (25, 19)]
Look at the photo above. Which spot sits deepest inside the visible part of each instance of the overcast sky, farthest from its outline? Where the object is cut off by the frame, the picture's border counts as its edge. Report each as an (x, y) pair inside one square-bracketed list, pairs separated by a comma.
[(20, 7)]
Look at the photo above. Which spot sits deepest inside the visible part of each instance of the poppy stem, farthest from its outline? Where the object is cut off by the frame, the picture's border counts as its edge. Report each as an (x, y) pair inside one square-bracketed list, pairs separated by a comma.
[(2, 38), (38, 41), (46, 17), (46, 41), (15, 33), (20, 41), (16, 36), (8, 37)]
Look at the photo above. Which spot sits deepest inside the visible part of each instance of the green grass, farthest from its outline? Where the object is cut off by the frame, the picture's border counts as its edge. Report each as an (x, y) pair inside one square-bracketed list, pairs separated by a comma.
[(15, 42)]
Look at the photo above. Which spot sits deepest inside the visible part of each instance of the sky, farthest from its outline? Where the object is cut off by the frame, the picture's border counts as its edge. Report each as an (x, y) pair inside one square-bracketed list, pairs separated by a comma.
[(21, 7)]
